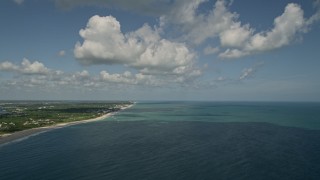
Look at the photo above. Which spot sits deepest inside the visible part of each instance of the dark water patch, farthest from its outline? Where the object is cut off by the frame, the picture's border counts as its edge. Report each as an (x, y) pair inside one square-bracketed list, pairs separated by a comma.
[(166, 150)]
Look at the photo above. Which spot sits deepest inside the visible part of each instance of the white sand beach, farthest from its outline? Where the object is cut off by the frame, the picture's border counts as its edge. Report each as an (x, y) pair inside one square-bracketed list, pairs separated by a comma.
[(7, 138)]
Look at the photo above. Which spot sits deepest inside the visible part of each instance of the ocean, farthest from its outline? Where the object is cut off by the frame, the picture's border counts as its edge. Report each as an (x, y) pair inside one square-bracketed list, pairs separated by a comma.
[(177, 140)]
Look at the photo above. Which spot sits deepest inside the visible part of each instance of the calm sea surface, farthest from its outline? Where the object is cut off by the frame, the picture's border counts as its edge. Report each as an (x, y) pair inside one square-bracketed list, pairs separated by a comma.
[(177, 140)]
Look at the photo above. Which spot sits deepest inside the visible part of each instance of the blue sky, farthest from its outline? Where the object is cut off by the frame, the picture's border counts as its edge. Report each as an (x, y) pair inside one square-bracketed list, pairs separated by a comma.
[(248, 50)]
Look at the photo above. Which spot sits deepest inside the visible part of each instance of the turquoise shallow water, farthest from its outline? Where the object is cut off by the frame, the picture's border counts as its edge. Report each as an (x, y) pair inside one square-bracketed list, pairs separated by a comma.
[(304, 115), (177, 140)]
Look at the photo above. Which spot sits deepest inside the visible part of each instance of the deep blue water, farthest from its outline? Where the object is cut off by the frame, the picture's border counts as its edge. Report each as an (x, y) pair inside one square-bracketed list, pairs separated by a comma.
[(177, 140)]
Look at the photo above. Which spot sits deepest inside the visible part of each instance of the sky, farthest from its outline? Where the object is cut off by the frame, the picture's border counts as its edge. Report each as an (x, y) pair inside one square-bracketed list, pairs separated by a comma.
[(205, 50)]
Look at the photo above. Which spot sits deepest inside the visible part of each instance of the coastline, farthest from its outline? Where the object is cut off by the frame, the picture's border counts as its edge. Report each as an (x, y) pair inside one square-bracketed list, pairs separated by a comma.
[(21, 135)]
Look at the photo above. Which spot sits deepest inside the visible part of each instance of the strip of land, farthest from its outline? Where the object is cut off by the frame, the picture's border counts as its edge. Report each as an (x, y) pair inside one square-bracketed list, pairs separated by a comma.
[(20, 135)]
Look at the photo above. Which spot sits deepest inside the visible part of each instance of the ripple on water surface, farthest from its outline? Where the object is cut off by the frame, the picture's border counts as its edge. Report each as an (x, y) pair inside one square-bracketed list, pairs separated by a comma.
[(166, 150)]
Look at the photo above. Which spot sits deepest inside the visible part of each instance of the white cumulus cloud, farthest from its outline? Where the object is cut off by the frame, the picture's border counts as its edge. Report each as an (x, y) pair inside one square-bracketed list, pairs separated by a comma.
[(143, 49), (237, 39), (286, 28), (26, 67), (129, 78), (19, 2), (197, 27), (8, 66), (233, 53), (249, 72), (62, 53), (236, 35), (188, 26)]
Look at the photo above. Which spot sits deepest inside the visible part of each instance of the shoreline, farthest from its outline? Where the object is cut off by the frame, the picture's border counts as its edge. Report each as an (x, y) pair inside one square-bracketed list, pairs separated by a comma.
[(21, 135)]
